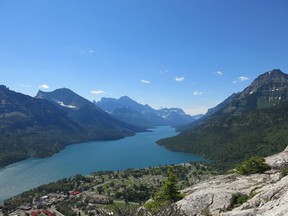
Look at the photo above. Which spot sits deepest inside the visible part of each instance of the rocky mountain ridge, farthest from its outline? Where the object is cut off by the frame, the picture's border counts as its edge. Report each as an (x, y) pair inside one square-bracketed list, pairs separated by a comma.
[(131, 111), (98, 123), (111, 104), (267, 90), (252, 122), (36, 127), (31, 127), (267, 192)]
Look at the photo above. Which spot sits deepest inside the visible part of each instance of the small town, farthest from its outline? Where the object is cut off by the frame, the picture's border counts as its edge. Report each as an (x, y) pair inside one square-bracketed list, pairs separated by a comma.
[(100, 192), (46, 205)]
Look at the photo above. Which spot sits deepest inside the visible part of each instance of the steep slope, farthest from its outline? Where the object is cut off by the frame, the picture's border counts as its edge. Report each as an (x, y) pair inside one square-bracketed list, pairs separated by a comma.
[(268, 90), (266, 194), (254, 122), (209, 113), (31, 127), (98, 123), (222, 105)]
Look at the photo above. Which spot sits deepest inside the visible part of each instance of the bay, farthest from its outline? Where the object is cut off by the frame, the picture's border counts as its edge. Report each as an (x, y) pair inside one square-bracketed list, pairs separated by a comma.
[(136, 151)]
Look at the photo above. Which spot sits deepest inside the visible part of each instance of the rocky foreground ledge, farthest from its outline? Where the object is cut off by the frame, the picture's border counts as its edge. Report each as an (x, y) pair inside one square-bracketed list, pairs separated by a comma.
[(267, 193)]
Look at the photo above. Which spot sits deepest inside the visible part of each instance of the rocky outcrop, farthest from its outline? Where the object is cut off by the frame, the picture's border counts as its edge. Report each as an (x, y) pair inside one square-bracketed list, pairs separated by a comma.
[(271, 200), (267, 193)]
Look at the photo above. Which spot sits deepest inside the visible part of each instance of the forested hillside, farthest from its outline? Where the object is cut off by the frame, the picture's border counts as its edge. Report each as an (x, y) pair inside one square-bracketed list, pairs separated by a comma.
[(32, 127), (229, 140), (35, 127), (253, 122)]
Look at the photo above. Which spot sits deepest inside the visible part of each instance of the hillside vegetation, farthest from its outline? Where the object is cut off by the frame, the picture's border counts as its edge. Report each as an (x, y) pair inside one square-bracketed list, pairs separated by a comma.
[(251, 122), (230, 140), (121, 192), (33, 127)]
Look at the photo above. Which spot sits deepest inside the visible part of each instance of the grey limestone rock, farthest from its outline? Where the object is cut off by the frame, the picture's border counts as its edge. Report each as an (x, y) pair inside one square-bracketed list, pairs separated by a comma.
[(268, 192)]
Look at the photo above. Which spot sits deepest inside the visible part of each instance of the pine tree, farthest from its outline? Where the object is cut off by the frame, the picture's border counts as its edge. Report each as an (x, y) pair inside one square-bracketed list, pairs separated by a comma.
[(169, 192), (167, 195)]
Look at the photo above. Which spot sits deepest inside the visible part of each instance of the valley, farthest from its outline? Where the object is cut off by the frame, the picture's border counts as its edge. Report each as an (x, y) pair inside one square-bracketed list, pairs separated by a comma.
[(137, 151), (143, 108), (249, 123), (44, 125)]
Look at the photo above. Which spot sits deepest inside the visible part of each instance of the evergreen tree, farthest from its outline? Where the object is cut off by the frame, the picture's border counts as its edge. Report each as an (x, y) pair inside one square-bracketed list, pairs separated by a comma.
[(253, 165), (169, 192)]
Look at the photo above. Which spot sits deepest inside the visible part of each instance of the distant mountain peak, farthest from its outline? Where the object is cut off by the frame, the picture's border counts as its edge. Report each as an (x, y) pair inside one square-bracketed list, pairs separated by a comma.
[(3, 87), (111, 104), (129, 101), (64, 90), (267, 90), (125, 98), (127, 109), (275, 71), (270, 81), (64, 97), (252, 122)]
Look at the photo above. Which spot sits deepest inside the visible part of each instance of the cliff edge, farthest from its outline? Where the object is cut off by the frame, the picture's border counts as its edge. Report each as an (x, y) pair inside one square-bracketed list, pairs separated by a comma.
[(263, 194)]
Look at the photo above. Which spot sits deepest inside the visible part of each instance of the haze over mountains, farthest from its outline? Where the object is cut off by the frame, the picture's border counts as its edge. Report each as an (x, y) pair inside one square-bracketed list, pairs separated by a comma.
[(248, 123), (252, 122), (98, 124), (41, 126), (130, 111)]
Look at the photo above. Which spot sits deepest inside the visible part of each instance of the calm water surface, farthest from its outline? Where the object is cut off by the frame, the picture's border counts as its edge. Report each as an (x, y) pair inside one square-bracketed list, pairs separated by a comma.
[(131, 152)]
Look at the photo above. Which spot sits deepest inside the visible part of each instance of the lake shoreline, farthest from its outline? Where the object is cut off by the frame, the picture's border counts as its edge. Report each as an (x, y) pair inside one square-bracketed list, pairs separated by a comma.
[(132, 152)]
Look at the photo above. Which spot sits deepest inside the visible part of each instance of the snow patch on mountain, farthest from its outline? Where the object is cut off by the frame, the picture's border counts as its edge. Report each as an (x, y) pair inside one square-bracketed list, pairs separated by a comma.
[(68, 106)]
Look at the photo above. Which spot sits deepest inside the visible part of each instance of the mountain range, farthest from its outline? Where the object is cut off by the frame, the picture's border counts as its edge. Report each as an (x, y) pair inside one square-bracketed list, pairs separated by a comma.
[(31, 127), (42, 125), (97, 123), (130, 111), (251, 122)]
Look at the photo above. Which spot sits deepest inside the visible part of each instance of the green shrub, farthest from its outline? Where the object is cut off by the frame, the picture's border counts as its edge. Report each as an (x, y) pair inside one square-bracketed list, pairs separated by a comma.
[(206, 212), (284, 172), (253, 165), (237, 200)]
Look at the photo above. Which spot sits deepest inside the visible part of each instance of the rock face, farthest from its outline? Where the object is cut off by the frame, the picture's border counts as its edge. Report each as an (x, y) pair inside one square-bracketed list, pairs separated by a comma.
[(268, 192), (268, 90)]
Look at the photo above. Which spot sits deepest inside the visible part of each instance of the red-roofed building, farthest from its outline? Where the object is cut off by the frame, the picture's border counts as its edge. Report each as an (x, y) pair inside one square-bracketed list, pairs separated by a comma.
[(74, 193)]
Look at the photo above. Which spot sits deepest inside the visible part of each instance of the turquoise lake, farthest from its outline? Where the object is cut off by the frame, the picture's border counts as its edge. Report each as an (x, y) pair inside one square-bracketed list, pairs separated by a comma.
[(84, 158)]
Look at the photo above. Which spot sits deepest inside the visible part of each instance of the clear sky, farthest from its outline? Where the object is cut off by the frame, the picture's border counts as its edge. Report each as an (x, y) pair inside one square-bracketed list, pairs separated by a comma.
[(190, 54)]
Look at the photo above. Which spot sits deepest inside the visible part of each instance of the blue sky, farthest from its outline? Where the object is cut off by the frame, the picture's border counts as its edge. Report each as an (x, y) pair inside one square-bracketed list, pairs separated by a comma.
[(190, 54)]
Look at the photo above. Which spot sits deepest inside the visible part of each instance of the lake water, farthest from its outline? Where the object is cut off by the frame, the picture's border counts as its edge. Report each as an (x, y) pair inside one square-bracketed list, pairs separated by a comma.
[(131, 152)]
